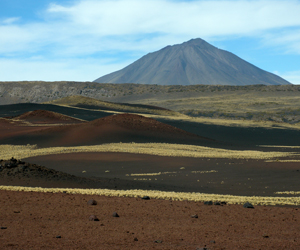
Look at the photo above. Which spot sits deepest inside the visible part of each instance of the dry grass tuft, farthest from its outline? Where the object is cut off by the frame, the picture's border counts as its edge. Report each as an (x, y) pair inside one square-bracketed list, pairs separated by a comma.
[(160, 149), (289, 192), (181, 196)]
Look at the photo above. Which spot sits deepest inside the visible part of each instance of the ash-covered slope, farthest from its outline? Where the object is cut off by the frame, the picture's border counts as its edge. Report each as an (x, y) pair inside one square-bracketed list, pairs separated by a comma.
[(189, 63)]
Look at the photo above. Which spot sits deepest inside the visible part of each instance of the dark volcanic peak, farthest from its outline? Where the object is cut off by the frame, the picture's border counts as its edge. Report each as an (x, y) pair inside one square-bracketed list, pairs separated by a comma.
[(190, 63)]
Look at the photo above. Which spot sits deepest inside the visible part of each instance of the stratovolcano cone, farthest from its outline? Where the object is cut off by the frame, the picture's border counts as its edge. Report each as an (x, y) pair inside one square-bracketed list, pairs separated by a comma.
[(190, 63)]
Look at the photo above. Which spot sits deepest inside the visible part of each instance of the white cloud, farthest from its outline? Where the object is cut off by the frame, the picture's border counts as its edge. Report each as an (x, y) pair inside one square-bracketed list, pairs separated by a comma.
[(99, 24), (292, 76), (37, 68), (10, 20), (209, 18), (288, 40), (92, 28)]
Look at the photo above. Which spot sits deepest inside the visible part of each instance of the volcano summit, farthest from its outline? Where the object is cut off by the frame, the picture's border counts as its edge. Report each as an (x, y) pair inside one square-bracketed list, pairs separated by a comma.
[(190, 63)]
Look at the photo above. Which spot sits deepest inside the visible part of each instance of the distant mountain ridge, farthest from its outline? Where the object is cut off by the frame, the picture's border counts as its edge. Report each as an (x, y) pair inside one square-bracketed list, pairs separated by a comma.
[(190, 63)]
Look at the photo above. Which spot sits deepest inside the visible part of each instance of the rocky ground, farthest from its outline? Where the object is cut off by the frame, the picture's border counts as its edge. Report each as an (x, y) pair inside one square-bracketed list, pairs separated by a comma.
[(31, 220)]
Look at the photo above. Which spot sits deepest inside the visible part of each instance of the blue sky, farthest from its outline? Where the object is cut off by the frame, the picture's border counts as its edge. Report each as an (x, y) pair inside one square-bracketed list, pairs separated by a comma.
[(81, 40)]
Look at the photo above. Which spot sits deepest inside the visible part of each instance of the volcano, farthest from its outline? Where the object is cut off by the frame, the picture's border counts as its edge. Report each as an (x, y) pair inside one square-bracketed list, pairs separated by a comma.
[(190, 63)]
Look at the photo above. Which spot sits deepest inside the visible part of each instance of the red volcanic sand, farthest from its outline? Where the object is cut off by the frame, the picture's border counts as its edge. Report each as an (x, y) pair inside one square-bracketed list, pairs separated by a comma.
[(48, 117), (12, 128), (61, 221), (115, 128)]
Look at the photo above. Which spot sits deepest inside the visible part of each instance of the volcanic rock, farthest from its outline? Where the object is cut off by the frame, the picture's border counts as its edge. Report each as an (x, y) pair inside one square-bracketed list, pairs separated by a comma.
[(92, 202), (248, 205), (115, 214), (93, 218)]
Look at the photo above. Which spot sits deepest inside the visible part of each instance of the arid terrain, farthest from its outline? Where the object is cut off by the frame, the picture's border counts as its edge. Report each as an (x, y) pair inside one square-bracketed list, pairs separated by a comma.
[(199, 174)]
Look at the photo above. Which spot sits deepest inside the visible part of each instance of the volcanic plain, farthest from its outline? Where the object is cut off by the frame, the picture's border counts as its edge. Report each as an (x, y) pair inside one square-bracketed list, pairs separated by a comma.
[(176, 182)]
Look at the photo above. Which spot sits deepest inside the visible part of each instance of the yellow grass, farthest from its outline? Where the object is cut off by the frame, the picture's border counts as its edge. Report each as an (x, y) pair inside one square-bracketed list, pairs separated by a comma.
[(230, 199), (282, 160), (289, 192), (204, 172), (152, 174), (160, 149), (278, 146), (161, 173)]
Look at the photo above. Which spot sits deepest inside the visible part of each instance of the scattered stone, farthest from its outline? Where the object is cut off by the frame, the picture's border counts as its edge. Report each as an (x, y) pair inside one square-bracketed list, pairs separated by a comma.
[(3, 227), (248, 205), (58, 236), (194, 216), (158, 241), (212, 241), (146, 198), (115, 214), (265, 236), (136, 239), (93, 218), (202, 248), (16, 212), (92, 202), (208, 203)]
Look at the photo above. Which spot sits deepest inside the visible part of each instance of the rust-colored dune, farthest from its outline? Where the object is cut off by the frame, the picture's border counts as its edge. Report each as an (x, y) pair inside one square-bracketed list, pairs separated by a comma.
[(115, 128), (10, 129), (46, 117), (140, 123)]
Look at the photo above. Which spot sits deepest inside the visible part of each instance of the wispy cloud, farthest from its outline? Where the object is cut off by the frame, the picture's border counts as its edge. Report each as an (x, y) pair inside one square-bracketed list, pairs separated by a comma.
[(9, 20), (92, 28), (291, 76), (37, 68)]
